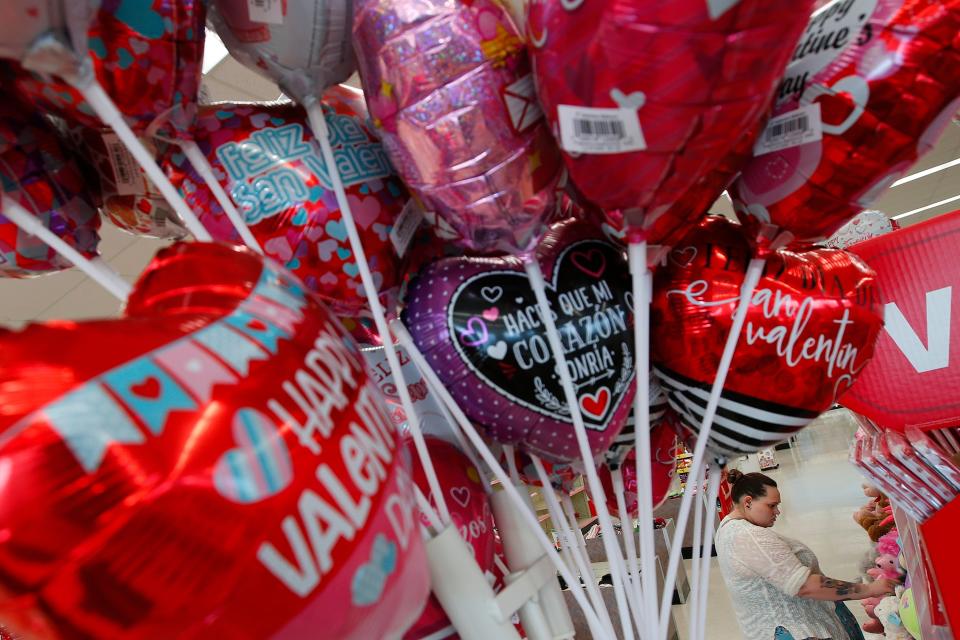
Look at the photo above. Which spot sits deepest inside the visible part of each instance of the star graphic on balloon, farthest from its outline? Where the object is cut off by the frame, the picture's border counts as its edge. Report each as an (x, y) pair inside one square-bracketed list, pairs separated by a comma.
[(501, 46), (386, 89)]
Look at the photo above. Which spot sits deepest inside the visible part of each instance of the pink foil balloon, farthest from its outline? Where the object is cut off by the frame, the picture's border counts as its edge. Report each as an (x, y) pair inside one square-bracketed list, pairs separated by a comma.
[(646, 98), (448, 82)]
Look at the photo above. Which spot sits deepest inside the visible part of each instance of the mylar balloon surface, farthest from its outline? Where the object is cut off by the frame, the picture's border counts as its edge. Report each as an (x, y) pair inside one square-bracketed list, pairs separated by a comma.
[(476, 321), (809, 330), (647, 98), (128, 198), (449, 86), (626, 439), (865, 225), (38, 173), (231, 429), (146, 55), (871, 87), (470, 513), (268, 161), (302, 45)]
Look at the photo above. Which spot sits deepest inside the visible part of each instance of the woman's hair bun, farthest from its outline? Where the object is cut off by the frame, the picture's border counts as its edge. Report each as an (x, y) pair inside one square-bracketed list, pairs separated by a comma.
[(734, 475)]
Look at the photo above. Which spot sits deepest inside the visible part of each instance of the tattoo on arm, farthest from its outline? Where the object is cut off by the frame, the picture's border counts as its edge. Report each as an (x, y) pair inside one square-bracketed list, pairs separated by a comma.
[(847, 590)]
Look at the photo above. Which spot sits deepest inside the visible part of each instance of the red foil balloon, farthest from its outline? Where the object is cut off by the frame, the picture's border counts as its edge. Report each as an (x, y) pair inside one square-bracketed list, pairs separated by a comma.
[(663, 464), (809, 330), (231, 431), (469, 513), (266, 158), (646, 98), (449, 86), (38, 173), (147, 56), (881, 78)]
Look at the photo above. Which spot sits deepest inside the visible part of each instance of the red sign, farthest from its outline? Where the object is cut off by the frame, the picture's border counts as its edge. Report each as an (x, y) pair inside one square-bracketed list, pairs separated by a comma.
[(915, 372)]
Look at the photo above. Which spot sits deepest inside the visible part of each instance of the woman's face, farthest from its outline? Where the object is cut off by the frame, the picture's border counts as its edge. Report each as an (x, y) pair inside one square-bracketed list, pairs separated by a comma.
[(762, 511)]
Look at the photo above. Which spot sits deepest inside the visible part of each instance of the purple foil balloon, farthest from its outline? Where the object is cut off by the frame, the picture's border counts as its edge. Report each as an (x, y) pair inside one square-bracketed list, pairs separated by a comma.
[(476, 321), (448, 82)]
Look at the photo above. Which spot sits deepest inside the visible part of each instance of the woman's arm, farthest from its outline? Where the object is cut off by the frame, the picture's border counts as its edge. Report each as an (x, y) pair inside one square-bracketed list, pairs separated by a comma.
[(820, 587)]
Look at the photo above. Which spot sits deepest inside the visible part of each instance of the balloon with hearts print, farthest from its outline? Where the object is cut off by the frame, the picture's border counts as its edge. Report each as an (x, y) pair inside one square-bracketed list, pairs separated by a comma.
[(663, 464), (449, 86), (147, 55), (39, 173), (646, 98), (867, 224), (476, 322), (231, 429), (872, 86), (470, 513), (270, 164), (302, 45), (810, 329)]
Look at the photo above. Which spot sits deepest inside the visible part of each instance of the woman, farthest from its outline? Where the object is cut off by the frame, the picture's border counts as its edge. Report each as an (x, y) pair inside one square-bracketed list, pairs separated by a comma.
[(778, 590)]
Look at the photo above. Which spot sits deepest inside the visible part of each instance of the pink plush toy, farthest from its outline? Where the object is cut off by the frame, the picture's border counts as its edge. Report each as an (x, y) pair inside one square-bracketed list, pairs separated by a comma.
[(873, 625), (887, 544), (887, 567)]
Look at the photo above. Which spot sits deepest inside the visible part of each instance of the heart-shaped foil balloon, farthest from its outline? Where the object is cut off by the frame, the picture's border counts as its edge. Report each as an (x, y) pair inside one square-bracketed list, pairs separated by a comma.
[(302, 45), (663, 465), (227, 426), (38, 173), (147, 56), (449, 85), (267, 159), (809, 330), (647, 97), (476, 321), (128, 198), (470, 513), (871, 87)]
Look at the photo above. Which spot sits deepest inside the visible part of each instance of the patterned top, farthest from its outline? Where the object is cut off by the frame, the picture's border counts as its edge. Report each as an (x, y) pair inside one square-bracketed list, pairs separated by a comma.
[(763, 572)]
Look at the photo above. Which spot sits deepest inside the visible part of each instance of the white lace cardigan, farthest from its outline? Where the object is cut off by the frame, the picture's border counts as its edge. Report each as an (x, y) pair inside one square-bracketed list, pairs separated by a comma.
[(763, 572)]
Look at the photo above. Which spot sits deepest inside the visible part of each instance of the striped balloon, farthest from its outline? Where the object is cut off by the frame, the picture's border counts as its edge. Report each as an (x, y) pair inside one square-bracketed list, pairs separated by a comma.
[(625, 440)]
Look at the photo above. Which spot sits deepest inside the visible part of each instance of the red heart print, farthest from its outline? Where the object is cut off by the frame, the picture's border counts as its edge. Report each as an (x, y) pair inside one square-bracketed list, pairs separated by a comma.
[(595, 404), (591, 262), (149, 388)]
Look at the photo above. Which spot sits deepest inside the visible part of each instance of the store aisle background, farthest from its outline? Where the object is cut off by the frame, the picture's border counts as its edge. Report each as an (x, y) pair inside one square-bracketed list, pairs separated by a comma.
[(820, 491)]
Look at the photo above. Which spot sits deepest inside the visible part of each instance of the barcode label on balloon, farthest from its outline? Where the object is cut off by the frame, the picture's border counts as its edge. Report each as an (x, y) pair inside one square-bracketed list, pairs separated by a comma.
[(790, 129), (406, 226), (599, 130), (269, 11), (126, 174)]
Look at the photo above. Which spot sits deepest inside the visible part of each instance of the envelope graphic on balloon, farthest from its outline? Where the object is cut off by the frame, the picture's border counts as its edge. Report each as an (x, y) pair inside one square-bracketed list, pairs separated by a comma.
[(522, 104)]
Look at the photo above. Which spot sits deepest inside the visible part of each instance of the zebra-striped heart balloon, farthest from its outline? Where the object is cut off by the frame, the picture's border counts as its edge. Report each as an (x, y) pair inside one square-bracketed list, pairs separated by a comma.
[(809, 330)]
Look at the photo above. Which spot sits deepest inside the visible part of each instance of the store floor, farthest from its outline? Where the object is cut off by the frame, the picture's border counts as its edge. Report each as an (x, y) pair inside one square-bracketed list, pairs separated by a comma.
[(820, 492)]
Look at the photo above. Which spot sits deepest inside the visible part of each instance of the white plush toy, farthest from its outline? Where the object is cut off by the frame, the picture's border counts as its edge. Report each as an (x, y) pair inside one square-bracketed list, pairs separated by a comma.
[(888, 613)]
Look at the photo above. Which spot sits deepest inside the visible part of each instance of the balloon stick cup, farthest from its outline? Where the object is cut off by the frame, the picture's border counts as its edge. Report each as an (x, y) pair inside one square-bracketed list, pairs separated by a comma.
[(618, 568), (99, 271), (520, 514), (319, 125)]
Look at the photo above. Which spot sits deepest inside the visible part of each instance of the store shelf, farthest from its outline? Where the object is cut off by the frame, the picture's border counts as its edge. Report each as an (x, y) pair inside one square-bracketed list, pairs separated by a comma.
[(932, 560)]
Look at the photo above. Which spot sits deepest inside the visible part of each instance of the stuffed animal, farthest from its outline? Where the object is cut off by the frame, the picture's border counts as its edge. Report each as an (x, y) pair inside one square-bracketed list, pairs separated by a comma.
[(887, 566), (888, 611), (873, 625), (876, 516), (889, 543)]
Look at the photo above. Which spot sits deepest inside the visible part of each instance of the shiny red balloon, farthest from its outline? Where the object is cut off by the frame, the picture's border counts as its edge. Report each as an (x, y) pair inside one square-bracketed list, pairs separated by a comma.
[(663, 464), (214, 464), (268, 161), (147, 56), (809, 330), (880, 78), (646, 98), (470, 513), (37, 172)]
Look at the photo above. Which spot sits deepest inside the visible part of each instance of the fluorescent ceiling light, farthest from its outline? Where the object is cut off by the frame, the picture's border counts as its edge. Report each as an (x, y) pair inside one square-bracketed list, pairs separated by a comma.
[(929, 206), (926, 172), (214, 51)]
